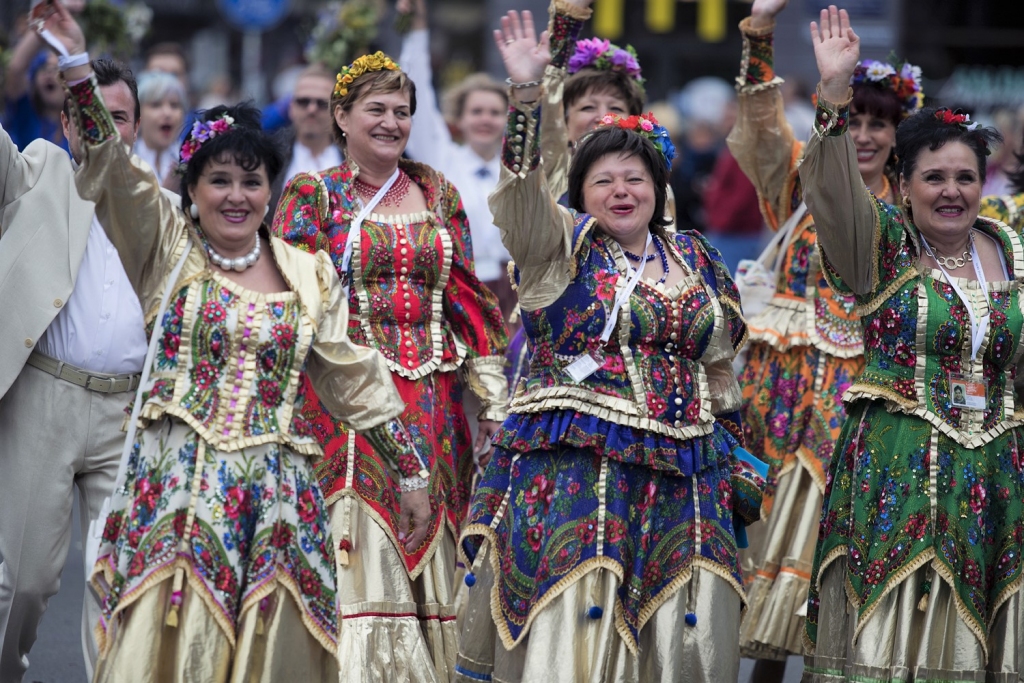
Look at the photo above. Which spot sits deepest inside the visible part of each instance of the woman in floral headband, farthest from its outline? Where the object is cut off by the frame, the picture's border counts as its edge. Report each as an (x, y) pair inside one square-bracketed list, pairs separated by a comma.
[(917, 572), (216, 561), (397, 233), (602, 539), (806, 345)]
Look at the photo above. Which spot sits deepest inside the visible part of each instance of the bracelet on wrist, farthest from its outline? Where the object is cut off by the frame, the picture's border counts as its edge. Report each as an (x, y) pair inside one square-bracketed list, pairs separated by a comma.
[(519, 86), (71, 61), (406, 484)]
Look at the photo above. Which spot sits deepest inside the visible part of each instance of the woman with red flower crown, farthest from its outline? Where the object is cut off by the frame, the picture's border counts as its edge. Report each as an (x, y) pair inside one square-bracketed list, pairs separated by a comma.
[(397, 232), (602, 539), (216, 562), (917, 572), (806, 345)]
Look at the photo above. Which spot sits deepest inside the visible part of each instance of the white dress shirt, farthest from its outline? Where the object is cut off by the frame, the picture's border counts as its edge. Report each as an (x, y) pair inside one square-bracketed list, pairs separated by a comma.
[(100, 328), (304, 161), (431, 143), (164, 164)]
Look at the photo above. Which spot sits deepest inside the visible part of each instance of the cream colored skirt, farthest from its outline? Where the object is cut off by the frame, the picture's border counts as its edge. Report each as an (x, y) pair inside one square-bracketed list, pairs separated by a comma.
[(197, 651), (901, 642), (565, 644), (393, 629), (773, 625)]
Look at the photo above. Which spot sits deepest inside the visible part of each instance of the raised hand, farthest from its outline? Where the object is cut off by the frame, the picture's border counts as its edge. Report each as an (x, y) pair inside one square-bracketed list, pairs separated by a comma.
[(524, 55), (416, 8), (64, 28), (837, 49), (763, 12)]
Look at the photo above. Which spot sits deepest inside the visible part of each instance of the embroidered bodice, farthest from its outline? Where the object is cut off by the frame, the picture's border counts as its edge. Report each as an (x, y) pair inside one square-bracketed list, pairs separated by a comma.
[(414, 294), (917, 332)]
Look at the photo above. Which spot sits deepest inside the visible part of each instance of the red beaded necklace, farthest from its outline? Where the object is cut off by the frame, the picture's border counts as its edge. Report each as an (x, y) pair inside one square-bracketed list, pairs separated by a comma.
[(393, 197)]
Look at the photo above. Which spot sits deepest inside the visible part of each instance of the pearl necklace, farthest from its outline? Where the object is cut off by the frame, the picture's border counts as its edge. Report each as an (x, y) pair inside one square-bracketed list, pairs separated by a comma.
[(237, 264)]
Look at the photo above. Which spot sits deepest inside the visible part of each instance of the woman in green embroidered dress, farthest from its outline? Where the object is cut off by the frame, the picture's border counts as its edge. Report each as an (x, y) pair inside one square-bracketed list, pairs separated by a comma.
[(917, 573)]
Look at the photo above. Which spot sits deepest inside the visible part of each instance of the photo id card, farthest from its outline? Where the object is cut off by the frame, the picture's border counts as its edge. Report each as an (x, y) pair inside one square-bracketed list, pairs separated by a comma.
[(968, 391)]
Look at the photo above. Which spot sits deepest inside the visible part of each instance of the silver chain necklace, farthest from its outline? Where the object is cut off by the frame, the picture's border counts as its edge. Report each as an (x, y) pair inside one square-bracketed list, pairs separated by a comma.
[(952, 262)]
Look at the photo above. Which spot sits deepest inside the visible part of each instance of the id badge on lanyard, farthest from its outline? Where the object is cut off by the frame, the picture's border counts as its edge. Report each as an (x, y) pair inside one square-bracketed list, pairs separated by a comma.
[(967, 390), (587, 364)]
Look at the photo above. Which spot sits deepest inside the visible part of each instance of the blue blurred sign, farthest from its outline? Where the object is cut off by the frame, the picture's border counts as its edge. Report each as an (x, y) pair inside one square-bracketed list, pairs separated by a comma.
[(254, 14)]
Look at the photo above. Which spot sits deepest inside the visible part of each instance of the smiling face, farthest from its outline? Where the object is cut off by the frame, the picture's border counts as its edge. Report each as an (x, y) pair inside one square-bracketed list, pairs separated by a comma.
[(585, 113), (618, 191), (944, 190), (376, 127), (232, 203), (482, 123), (874, 137), (161, 121)]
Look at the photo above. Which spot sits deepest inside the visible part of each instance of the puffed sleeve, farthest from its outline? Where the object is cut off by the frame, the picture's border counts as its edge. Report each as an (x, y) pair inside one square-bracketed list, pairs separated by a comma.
[(762, 141), (536, 231), (145, 227), (565, 23), (354, 382), (299, 219), (475, 316), (847, 217)]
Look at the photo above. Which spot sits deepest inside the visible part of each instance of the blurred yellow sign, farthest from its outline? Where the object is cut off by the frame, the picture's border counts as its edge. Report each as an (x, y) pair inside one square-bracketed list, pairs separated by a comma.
[(711, 20), (661, 15), (608, 18)]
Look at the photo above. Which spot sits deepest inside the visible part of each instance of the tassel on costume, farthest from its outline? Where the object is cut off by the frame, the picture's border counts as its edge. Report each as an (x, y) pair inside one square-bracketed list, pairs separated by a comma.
[(176, 598), (926, 589)]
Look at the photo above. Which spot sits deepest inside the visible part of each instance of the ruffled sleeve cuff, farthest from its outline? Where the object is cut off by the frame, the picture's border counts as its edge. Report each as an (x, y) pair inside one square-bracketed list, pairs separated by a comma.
[(485, 377), (747, 480), (830, 119), (564, 29), (757, 68)]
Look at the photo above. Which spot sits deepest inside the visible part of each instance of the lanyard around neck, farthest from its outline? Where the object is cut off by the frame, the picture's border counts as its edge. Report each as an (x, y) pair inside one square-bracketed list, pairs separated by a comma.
[(979, 325), (623, 296)]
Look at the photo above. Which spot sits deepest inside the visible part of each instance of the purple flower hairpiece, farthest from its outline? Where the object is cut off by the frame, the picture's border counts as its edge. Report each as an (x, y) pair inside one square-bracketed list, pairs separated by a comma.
[(201, 132), (596, 53)]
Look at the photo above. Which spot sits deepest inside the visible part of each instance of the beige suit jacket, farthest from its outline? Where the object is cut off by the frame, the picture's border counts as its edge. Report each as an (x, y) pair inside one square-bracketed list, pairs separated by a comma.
[(44, 226)]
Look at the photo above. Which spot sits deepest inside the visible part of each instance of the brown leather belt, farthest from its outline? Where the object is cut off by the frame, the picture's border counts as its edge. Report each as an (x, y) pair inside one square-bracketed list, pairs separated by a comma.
[(93, 381)]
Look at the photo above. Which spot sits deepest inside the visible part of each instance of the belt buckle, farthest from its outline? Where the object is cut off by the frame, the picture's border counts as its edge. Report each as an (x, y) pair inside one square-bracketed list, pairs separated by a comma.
[(109, 389)]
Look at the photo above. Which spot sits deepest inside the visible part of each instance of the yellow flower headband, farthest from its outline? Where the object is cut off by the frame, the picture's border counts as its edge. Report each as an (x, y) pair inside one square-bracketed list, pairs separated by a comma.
[(378, 61)]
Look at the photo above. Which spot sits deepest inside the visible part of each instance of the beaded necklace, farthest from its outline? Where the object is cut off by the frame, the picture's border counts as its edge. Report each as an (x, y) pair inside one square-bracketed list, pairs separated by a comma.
[(647, 258), (392, 197)]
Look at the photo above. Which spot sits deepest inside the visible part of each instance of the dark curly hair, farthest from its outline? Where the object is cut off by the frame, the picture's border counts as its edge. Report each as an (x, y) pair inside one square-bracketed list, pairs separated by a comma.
[(924, 129), (615, 140), (245, 143)]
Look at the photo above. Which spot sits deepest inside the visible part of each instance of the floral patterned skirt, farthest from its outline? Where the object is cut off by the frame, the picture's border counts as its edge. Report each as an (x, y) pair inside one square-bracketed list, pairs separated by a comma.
[(260, 534), (553, 516), (793, 409), (901, 495)]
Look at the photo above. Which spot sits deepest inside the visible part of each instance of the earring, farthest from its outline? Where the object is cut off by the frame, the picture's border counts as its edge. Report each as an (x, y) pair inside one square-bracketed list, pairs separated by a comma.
[(266, 210), (194, 212)]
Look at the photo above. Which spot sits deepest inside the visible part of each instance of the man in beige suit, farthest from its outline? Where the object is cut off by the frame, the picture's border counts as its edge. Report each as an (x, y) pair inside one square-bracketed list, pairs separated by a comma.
[(72, 346)]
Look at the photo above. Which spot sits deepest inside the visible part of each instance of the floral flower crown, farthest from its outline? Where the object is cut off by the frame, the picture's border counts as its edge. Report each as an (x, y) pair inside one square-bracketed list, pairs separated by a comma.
[(378, 61), (596, 53), (646, 126), (200, 133), (905, 81)]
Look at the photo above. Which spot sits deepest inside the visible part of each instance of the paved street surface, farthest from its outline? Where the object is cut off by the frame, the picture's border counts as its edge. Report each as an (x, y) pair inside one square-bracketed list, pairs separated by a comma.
[(57, 655)]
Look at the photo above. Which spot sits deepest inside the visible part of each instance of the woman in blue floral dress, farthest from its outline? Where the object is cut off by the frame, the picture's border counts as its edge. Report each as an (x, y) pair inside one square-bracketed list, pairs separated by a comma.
[(216, 562), (614, 490)]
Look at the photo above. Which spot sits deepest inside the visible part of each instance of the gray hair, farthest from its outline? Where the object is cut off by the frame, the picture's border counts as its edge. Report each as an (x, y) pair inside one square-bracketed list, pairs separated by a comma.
[(156, 85)]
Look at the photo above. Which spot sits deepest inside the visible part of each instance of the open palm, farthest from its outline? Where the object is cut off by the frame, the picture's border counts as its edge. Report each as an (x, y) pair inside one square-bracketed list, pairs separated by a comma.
[(524, 55), (837, 50)]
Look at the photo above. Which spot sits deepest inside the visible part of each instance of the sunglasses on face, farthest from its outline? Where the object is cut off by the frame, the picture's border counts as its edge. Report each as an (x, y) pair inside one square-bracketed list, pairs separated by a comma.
[(304, 102)]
